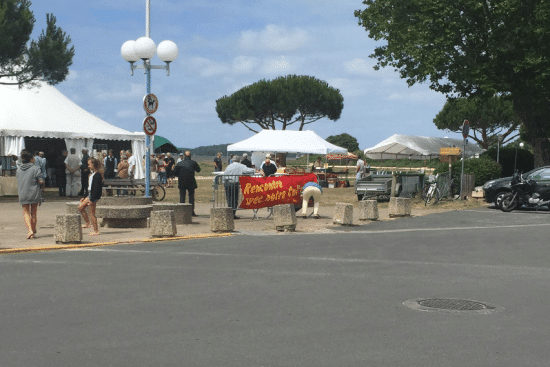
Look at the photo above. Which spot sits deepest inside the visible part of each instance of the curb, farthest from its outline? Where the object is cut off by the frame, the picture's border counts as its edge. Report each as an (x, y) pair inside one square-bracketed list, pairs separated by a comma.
[(112, 243)]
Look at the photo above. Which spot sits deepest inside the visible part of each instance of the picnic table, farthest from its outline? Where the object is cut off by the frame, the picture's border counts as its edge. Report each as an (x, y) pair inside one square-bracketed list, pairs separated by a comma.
[(131, 186)]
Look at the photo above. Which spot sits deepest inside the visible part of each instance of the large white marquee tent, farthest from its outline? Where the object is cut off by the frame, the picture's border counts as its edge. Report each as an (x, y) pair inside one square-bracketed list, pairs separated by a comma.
[(44, 112), (285, 141), (416, 147)]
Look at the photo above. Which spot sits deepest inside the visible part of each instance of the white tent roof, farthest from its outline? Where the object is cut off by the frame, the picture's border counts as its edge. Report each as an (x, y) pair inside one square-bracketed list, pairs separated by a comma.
[(416, 147), (287, 141), (45, 112)]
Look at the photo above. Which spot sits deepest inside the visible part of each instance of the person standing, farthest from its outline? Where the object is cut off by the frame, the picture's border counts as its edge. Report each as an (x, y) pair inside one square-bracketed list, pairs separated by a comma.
[(246, 161), (132, 164), (60, 175), (162, 170), (231, 183), (72, 165), (185, 170), (154, 166), (360, 170), (110, 163), (84, 173), (218, 162), (94, 194), (169, 163), (268, 168), (311, 190), (29, 183)]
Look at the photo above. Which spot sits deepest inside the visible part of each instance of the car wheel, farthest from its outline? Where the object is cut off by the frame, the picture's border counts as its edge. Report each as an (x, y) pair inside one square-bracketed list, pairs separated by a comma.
[(509, 202), (498, 199)]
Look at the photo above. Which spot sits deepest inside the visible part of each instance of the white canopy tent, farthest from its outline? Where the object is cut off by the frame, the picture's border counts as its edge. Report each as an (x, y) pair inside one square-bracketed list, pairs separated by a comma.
[(416, 147), (287, 141), (44, 112)]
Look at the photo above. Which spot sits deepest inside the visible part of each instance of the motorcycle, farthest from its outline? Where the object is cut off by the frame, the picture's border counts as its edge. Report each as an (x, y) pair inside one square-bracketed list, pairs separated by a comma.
[(524, 192)]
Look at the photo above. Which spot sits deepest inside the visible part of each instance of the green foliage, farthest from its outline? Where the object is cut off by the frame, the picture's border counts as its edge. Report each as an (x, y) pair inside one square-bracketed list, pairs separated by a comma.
[(484, 169), (285, 100), (507, 157), (46, 59), (469, 48), (345, 141), (488, 118)]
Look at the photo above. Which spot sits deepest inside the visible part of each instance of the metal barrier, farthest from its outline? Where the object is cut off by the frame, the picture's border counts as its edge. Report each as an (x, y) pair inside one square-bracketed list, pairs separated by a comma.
[(444, 184), (226, 191)]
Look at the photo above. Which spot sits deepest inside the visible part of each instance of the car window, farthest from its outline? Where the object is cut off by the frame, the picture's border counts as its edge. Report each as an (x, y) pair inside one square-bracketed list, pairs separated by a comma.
[(540, 175)]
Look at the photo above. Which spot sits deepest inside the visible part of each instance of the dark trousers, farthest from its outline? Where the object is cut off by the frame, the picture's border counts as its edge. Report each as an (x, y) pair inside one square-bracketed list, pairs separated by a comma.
[(84, 182), (232, 195), (191, 197), (61, 183)]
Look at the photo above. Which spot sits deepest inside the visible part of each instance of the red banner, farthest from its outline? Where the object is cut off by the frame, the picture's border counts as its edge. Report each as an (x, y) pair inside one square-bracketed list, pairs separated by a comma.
[(259, 192)]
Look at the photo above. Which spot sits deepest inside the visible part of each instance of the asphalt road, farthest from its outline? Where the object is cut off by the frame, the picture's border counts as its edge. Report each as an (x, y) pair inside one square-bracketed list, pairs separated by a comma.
[(289, 300)]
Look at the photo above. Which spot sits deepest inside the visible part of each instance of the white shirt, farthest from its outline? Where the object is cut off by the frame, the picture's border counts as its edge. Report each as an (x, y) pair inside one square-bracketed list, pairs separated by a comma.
[(132, 166)]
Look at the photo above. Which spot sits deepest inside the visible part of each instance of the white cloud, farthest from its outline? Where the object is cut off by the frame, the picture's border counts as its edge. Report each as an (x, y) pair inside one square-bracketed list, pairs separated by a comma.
[(245, 64), (206, 67), (277, 65), (274, 38), (359, 66)]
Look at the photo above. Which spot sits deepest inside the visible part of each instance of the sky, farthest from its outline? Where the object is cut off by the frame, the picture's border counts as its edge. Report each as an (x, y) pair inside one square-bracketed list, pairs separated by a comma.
[(224, 46)]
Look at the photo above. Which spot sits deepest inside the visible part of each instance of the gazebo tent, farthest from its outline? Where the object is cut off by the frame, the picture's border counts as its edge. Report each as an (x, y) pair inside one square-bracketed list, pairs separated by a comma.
[(287, 141), (44, 112), (416, 147), (163, 145)]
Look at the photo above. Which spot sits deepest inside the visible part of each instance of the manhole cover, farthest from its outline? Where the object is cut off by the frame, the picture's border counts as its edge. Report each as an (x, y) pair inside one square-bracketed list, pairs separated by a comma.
[(451, 305)]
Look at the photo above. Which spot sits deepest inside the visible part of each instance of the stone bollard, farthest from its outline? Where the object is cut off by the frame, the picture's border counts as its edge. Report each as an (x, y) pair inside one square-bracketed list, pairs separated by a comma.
[(187, 213), (400, 207), (72, 207), (163, 223), (179, 211), (343, 214), (368, 210), (284, 217), (68, 228), (221, 220)]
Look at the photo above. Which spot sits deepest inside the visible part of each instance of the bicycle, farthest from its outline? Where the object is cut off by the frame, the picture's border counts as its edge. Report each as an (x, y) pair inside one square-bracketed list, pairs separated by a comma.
[(157, 192), (431, 192)]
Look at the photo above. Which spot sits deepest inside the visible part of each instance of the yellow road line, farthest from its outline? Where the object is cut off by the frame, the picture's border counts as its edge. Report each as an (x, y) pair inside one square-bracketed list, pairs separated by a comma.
[(112, 243)]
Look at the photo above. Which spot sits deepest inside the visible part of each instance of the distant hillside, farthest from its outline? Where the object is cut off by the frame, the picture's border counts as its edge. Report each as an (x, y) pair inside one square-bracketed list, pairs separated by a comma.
[(210, 150)]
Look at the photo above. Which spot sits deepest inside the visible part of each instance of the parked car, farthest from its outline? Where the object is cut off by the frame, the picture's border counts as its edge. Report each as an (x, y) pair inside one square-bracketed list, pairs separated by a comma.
[(495, 189)]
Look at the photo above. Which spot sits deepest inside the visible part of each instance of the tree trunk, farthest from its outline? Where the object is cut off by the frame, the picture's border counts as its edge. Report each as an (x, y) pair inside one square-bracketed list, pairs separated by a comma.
[(535, 119)]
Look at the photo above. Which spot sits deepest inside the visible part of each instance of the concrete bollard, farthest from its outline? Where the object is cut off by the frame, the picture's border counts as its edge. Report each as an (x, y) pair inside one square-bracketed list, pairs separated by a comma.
[(221, 220), (368, 210), (284, 217), (179, 211), (163, 223), (400, 207), (343, 214), (72, 207), (187, 213), (68, 228)]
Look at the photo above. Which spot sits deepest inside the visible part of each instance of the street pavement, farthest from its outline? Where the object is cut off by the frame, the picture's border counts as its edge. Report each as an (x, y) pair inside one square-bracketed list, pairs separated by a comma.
[(330, 299)]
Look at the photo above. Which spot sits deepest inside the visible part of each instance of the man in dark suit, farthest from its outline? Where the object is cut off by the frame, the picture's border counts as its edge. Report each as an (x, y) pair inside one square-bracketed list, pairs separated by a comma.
[(84, 173), (185, 170)]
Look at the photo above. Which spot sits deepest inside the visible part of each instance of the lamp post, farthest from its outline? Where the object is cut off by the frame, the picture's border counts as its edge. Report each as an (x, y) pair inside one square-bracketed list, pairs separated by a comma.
[(144, 49), (516, 158)]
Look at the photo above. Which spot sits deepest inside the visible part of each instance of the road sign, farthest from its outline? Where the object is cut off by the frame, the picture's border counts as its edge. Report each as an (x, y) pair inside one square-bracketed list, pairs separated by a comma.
[(465, 129), (150, 125), (450, 151), (150, 103)]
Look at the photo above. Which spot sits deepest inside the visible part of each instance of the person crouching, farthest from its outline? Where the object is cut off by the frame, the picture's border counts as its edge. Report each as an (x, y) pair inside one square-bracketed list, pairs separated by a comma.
[(311, 190), (95, 187)]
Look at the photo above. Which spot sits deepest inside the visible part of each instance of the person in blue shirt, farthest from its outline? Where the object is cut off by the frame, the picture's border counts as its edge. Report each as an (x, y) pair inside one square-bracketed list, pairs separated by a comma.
[(311, 190)]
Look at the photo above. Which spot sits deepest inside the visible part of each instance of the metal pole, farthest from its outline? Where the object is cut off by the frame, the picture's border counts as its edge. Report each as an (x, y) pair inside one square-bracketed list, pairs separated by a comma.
[(147, 65), (462, 172), (498, 147), (516, 158)]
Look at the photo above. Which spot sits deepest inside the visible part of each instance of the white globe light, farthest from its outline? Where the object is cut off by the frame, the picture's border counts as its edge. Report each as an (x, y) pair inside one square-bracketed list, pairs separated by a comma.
[(145, 48), (127, 51), (167, 51)]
